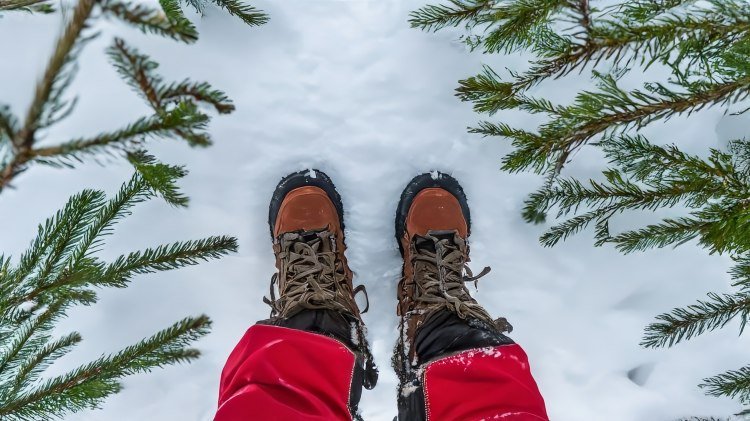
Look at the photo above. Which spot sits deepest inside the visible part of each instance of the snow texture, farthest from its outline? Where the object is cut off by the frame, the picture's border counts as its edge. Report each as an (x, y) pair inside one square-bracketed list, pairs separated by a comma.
[(348, 88)]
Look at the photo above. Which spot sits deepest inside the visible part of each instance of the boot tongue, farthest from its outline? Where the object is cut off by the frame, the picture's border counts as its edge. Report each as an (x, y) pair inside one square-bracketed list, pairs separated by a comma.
[(309, 236), (428, 243), (315, 237)]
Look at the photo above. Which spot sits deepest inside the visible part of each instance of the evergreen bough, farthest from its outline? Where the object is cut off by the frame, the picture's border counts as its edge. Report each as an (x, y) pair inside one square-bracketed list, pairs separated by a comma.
[(705, 46), (61, 268), (178, 107)]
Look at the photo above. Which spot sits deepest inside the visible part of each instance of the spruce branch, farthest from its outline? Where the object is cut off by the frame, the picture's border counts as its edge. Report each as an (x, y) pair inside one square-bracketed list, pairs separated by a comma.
[(487, 91), (506, 26), (733, 384), (77, 213), (176, 104), (160, 179), (248, 14), (698, 34), (40, 6), (650, 177), (435, 17), (200, 92), (583, 10), (696, 319), (151, 179), (166, 257), (645, 10), (86, 386), (740, 272), (653, 164), (55, 78), (60, 270), (47, 106), (30, 370), (705, 48), (172, 10), (8, 123), (524, 24), (183, 118), (26, 331), (150, 20), (669, 232), (597, 112), (137, 70)]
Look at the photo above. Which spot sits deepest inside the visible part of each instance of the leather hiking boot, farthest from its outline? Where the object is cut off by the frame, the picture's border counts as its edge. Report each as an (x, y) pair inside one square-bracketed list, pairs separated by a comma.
[(313, 279), (432, 228)]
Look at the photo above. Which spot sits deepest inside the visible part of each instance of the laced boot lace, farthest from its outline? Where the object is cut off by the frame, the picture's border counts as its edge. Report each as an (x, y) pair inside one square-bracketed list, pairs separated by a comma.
[(440, 275), (311, 276)]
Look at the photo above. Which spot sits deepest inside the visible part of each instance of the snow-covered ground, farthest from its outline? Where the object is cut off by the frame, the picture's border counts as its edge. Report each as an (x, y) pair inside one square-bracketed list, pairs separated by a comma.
[(348, 87)]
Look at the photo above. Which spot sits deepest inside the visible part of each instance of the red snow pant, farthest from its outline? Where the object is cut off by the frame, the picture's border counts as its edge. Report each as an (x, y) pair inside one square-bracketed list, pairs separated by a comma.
[(277, 373)]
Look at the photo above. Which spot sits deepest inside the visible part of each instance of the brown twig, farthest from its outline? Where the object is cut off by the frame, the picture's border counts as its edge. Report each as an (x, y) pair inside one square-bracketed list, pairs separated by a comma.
[(23, 141), (18, 4)]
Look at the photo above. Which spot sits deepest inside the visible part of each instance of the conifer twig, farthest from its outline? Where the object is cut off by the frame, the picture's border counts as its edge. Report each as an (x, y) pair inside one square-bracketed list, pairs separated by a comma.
[(42, 6), (23, 141), (60, 57), (705, 48)]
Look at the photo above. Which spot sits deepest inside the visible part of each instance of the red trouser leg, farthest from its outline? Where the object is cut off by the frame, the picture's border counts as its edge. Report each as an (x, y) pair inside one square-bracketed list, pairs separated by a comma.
[(484, 383), (276, 373)]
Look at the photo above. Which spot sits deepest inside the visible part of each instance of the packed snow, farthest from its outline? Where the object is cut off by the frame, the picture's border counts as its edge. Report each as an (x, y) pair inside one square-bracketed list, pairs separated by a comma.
[(348, 88)]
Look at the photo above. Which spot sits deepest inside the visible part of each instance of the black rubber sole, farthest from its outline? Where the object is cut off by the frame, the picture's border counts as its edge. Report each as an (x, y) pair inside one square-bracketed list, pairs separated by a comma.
[(425, 181), (301, 179)]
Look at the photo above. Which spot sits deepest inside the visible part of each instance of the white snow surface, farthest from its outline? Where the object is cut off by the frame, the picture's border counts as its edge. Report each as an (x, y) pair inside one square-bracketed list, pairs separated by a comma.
[(348, 88)]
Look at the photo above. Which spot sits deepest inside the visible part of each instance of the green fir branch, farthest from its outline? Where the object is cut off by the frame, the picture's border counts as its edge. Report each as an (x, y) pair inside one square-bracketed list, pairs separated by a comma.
[(200, 92), (172, 9), (43, 356), (646, 10), (49, 104), (166, 257), (247, 13), (705, 48), (15, 349), (86, 386), (31, 6), (137, 70), (8, 123), (732, 384), (184, 118), (57, 76), (456, 12), (696, 319), (77, 213), (160, 179), (524, 24), (59, 271), (669, 232), (150, 20), (610, 108)]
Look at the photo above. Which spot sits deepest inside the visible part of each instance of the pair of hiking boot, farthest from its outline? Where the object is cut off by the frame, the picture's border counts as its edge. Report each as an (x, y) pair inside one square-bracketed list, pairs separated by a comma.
[(437, 314)]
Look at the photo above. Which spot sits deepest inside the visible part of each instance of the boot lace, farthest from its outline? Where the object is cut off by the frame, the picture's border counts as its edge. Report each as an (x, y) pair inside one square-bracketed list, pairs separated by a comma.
[(440, 261), (314, 278)]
